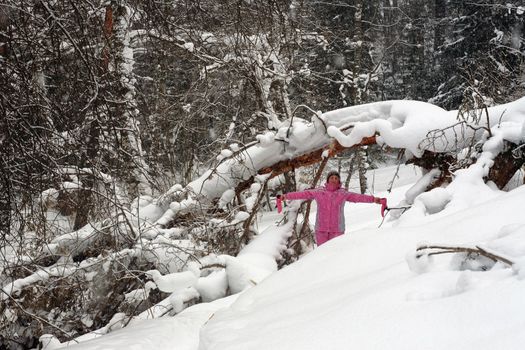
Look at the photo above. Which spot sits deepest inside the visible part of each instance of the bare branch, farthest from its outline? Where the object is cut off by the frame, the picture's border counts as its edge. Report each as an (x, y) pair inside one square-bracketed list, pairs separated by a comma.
[(438, 249)]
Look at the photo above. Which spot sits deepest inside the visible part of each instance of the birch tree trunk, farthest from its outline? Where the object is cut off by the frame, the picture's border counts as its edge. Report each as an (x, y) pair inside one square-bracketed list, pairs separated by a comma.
[(127, 107)]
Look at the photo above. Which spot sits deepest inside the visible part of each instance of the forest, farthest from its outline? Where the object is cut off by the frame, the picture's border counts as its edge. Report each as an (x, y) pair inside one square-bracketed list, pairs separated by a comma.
[(131, 136)]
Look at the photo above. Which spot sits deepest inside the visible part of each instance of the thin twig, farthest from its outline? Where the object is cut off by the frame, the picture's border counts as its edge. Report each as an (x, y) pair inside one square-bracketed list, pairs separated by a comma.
[(476, 250)]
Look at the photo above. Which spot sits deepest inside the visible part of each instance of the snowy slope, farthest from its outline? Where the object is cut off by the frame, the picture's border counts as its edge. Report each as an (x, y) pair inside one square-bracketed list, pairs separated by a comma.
[(365, 290), (358, 292)]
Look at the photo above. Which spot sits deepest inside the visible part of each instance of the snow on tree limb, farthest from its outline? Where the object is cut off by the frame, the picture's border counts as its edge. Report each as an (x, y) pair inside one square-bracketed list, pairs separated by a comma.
[(409, 125)]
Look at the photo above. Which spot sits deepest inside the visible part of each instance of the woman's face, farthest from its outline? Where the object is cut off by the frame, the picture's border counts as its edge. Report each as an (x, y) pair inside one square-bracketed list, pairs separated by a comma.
[(334, 179)]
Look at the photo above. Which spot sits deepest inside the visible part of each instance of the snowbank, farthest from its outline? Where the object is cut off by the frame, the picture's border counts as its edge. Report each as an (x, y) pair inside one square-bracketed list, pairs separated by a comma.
[(358, 291)]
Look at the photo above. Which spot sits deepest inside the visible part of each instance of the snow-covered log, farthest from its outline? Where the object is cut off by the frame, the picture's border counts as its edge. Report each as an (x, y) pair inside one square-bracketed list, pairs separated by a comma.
[(417, 127)]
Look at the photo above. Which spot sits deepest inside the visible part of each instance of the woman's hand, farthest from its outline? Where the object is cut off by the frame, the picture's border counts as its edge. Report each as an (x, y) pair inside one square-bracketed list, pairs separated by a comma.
[(280, 199)]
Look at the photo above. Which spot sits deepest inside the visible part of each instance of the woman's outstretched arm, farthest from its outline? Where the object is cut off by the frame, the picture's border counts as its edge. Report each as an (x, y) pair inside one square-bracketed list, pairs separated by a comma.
[(361, 198), (306, 194)]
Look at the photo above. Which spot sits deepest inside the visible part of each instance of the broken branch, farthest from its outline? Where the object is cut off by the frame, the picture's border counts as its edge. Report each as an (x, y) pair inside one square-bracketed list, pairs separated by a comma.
[(476, 250)]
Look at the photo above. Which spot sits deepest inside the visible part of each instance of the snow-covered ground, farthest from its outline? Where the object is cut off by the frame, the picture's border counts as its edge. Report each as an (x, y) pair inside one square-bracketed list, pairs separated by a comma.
[(367, 290)]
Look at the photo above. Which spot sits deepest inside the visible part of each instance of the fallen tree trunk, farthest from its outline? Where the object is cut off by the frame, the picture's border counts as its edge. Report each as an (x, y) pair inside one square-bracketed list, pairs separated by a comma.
[(303, 160), (506, 164)]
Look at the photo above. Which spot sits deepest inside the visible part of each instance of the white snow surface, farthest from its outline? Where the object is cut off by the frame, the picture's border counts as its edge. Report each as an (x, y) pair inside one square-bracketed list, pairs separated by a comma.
[(362, 291), (366, 289), (181, 332)]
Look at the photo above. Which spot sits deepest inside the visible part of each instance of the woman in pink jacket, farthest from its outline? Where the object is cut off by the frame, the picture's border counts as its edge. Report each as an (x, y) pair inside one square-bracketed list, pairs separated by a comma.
[(331, 198)]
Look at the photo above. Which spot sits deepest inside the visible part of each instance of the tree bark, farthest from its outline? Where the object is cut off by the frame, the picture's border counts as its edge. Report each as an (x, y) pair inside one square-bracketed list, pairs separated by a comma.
[(312, 157), (505, 166), (4, 23), (302, 161), (108, 30), (430, 160)]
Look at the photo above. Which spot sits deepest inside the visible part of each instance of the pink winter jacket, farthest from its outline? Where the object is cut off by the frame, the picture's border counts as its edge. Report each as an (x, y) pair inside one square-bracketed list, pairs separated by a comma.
[(330, 205)]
